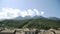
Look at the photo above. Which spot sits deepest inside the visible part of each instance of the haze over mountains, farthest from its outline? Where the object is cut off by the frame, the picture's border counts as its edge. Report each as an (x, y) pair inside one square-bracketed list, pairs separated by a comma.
[(29, 17)]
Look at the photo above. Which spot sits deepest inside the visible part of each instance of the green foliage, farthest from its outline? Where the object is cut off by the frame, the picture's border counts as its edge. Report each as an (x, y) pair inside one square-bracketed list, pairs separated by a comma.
[(40, 23)]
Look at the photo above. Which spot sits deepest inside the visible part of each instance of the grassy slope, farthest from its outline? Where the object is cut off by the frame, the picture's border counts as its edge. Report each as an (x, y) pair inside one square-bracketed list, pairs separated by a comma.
[(41, 23)]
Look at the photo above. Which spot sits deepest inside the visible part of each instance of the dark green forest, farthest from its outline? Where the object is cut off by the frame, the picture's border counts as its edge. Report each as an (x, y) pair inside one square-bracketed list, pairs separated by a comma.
[(39, 23)]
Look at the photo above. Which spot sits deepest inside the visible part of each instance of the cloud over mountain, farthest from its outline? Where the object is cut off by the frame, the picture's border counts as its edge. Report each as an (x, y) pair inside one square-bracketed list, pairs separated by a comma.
[(10, 13)]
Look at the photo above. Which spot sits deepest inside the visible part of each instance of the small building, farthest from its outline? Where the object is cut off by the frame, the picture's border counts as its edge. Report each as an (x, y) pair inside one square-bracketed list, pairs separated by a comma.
[(7, 31)]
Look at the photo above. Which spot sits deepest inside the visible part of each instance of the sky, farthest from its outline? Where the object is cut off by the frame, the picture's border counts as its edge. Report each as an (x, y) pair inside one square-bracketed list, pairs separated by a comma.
[(14, 8)]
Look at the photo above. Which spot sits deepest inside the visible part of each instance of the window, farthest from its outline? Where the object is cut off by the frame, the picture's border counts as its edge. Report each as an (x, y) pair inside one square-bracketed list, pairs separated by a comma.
[(29, 32)]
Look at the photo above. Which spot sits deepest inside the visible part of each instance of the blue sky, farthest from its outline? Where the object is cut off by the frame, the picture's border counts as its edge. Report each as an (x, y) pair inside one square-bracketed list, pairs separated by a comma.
[(51, 8)]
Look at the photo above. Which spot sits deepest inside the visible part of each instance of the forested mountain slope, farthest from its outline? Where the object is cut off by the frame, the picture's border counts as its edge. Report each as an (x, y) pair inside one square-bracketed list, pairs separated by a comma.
[(35, 22)]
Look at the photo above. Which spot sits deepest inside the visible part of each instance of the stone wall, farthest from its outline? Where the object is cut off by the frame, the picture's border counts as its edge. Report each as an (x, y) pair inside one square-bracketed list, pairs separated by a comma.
[(30, 31), (35, 31)]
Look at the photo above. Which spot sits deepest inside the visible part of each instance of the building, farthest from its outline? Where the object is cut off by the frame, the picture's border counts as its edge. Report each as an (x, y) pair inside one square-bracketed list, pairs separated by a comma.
[(33, 31), (28, 31), (7, 31)]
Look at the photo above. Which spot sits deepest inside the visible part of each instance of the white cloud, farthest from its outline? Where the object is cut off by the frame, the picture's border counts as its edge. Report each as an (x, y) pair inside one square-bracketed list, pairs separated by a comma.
[(9, 13), (42, 12), (37, 12)]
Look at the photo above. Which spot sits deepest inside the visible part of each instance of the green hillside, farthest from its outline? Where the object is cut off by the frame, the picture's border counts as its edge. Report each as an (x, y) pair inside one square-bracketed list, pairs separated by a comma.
[(40, 23)]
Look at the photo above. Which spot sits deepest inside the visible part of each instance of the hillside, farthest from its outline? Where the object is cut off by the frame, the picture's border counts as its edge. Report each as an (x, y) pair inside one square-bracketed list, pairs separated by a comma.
[(35, 22)]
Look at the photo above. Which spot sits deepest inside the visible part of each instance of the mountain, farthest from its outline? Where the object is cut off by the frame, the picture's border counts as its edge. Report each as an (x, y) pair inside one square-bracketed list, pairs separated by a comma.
[(18, 18), (23, 18), (28, 17), (54, 18), (39, 22)]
